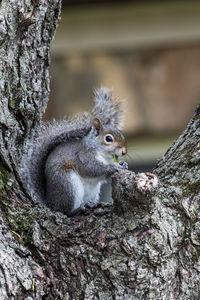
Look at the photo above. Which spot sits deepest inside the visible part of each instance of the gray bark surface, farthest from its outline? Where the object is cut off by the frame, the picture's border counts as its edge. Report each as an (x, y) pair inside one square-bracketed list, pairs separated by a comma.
[(147, 246)]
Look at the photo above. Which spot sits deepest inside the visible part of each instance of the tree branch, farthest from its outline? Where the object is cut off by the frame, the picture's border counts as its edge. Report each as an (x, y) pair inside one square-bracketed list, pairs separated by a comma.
[(146, 247)]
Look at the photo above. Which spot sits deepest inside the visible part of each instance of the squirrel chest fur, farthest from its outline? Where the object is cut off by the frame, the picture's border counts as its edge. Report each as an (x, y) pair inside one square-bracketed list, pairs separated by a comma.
[(70, 160)]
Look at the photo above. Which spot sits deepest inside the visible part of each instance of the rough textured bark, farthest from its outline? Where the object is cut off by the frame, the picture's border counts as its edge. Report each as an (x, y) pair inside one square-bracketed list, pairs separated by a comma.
[(26, 30), (144, 247)]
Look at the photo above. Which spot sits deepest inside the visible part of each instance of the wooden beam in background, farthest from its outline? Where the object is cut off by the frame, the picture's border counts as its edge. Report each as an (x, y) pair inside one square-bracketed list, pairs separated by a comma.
[(127, 26)]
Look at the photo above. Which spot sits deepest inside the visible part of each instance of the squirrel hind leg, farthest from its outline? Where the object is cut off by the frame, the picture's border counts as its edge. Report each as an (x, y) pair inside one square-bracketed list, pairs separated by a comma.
[(65, 193)]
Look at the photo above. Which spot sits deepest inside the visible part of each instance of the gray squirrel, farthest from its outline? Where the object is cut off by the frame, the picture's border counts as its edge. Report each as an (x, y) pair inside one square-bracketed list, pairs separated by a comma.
[(66, 165)]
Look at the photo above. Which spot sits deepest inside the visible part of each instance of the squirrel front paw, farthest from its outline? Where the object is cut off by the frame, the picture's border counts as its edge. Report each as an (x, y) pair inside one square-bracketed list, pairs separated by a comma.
[(115, 167), (123, 164), (146, 182)]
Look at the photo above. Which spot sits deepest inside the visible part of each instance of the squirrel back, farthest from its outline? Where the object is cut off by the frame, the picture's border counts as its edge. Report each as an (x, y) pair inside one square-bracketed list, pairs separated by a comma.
[(54, 133)]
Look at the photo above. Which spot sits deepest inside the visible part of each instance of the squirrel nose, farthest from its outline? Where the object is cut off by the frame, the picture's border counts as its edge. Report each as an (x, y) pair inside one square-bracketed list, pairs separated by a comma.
[(124, 151)]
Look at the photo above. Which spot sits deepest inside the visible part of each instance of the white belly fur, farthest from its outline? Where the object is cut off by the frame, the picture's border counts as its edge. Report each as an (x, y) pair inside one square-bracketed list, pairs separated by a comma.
[(92, 188), (77, 189), (86, 190)]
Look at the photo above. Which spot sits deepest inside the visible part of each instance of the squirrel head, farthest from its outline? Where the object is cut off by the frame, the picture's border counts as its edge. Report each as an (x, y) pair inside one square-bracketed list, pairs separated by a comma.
[(109, 139)]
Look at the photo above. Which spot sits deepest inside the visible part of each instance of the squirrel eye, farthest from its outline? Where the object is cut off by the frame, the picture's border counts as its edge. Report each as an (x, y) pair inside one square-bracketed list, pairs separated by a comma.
[(108, 139)]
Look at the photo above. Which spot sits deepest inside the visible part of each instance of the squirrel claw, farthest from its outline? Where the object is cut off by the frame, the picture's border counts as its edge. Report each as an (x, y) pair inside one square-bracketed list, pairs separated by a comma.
[(123, 164)]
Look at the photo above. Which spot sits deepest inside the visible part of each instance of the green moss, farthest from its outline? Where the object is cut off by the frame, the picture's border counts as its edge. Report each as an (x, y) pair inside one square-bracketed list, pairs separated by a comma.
[(21, 223), (12, 103), (5, 180), (17, 216), (190, 188)]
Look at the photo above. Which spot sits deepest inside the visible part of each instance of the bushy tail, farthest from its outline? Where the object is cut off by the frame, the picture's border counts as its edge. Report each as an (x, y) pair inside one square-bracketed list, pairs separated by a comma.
[(109, 110), (37, 150), (57, 132)]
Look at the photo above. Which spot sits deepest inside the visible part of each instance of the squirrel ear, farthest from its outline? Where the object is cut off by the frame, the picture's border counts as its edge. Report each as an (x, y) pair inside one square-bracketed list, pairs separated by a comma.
[(97, 125)]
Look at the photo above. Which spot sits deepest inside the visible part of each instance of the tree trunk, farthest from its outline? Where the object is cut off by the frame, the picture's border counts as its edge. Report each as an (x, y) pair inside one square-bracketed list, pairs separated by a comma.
[(147, 246)]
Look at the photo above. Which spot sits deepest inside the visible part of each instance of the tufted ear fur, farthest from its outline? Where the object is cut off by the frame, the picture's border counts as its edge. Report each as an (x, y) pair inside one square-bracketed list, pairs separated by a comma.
[(97, 124), (108, 110)]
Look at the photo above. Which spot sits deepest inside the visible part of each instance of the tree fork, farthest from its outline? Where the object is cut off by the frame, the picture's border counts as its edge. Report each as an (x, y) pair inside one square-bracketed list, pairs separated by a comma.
[(147, 247)]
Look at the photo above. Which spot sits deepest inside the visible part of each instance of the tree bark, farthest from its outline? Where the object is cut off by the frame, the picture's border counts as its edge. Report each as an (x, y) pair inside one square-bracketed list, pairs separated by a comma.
[(146, 246), (26, 30)]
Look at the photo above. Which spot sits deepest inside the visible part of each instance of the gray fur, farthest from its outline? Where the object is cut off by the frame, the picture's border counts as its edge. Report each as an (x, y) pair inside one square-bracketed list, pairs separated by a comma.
[(37, 150), (108, 110), (57, 138), (61, 193)]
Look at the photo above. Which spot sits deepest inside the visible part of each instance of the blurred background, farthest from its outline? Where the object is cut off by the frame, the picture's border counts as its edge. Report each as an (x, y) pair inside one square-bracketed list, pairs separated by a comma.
[(148, 52)]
